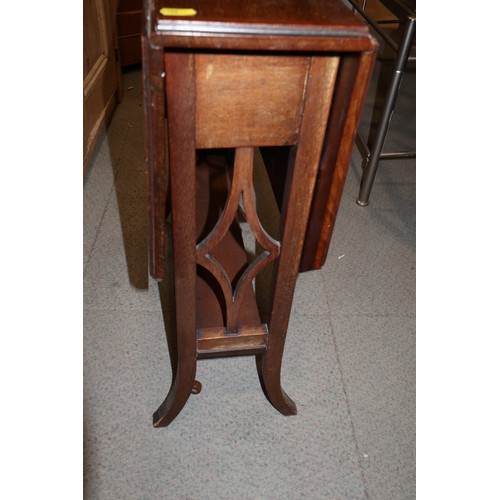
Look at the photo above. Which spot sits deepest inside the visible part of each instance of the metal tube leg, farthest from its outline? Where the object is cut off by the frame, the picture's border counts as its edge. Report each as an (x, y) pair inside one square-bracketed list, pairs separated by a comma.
[(371, 168)]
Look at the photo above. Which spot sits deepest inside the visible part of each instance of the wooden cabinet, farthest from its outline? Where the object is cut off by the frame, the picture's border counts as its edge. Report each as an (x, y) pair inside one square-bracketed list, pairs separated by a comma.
[(128, 23), (101, 74)]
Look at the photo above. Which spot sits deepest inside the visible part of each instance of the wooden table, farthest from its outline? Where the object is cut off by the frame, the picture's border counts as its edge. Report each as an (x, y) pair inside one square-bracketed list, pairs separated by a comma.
[(288, 77)]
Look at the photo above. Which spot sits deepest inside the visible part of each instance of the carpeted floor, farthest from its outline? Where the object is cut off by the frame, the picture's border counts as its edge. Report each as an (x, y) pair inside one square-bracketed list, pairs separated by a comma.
[(349, 359)]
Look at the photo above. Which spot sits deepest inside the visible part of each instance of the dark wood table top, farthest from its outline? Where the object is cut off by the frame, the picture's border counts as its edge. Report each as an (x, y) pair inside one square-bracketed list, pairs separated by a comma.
[(255, 24), (291, 17)]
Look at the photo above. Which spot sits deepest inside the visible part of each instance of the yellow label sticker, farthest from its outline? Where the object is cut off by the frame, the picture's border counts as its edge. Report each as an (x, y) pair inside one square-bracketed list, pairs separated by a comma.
[(172, 11)]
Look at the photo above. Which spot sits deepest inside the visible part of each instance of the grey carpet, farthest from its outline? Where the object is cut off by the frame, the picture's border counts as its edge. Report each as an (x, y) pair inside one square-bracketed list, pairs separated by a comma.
[(349, 360)]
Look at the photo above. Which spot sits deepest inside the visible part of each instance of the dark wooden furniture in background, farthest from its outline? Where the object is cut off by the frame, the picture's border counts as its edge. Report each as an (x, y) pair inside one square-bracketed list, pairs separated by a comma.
[(102, 87), (289, 77), (129, 28)]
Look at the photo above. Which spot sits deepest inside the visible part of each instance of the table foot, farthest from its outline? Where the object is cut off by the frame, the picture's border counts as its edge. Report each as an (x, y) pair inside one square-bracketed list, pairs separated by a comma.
[(271, 385), (361, 203), (183, 386), (196, 389)]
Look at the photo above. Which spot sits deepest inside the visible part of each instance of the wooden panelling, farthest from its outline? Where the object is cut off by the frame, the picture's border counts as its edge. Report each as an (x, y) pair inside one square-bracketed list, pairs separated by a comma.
[(101, 79)]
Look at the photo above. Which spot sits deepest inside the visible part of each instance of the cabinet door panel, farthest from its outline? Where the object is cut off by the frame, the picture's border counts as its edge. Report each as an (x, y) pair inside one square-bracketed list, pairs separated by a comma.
[(100, 72)]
